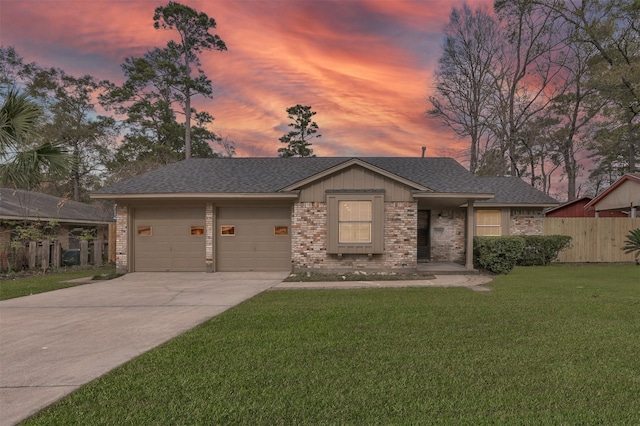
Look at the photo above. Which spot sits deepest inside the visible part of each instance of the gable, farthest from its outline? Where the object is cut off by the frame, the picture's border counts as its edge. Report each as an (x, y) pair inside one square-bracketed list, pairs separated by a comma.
[(622, 195), (355, 177)]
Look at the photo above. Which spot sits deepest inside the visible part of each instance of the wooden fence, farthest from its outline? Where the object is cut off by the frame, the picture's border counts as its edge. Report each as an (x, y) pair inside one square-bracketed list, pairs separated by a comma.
[(593, 239), (45, 254)]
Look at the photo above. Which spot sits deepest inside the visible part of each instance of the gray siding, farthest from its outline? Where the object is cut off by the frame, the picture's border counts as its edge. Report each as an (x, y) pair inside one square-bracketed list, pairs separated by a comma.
[(358, 178)]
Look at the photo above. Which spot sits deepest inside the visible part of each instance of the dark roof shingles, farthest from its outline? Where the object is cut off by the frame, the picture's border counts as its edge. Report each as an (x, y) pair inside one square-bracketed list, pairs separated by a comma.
[(269, 175), (20, 204), (513, 190)]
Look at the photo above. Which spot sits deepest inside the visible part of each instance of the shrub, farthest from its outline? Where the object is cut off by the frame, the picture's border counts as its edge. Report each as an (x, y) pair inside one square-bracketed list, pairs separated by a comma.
[(542, 249), (632, 244), (497, 254)]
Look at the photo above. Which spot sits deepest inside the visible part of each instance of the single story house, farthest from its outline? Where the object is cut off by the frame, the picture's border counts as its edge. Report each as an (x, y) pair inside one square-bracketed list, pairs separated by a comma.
[(577, 208), (19, 207), (317, 214), (622, 196)]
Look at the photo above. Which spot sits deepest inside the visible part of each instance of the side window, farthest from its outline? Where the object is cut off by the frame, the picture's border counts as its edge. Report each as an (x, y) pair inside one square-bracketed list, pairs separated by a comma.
[(488, 223), (197, 230), (144, 231), (355, 223), (228, 230), (280, 230)]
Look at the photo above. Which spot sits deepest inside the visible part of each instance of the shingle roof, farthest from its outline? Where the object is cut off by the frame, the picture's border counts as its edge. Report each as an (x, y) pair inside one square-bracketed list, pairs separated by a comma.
[(439, 174), (19, 204), (270, 175), (256, 175), (513, 190), (222, 175)]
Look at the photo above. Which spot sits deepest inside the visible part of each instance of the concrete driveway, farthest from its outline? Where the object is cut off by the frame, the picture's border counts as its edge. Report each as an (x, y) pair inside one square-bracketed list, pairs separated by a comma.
[(52, 343)]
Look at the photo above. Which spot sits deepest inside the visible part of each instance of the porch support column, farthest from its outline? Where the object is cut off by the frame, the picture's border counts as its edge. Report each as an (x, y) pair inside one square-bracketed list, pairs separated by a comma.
[(123, 241), (470, 228)]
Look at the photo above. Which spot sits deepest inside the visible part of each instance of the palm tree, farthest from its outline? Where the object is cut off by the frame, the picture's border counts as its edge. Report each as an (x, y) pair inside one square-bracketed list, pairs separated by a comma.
[(633, 244), (24, 163)]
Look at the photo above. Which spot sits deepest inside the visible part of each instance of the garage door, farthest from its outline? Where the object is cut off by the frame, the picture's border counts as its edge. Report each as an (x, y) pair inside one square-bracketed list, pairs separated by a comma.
[(253, 239), (169, 239)]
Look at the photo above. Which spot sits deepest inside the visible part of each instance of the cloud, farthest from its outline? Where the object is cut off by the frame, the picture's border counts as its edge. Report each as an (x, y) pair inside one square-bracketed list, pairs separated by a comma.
[(364, 66)]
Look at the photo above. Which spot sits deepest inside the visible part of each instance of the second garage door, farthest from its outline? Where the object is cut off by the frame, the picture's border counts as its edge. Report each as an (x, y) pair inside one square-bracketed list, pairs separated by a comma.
[(253, 239)]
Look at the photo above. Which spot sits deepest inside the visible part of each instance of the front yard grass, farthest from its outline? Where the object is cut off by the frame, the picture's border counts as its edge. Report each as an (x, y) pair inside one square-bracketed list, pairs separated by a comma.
[(548, 346), (18, 286)]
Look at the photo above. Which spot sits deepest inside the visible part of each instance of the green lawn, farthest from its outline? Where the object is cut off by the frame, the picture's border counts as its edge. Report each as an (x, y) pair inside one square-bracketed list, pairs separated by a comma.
[(24, 286), (556, 345)]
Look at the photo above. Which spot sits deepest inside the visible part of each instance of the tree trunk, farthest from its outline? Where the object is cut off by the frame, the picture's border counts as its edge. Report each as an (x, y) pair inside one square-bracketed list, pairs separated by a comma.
[(75, 175), (632, 146), (187, 110), (570, 170), (473, 158), (187, 126)]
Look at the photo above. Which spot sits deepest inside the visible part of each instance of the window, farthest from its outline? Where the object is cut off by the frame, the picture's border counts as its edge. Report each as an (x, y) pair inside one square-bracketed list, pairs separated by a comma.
[(488, 223), (355, 222), (281, 230), (144, 231), (197, 230), (228, 230)]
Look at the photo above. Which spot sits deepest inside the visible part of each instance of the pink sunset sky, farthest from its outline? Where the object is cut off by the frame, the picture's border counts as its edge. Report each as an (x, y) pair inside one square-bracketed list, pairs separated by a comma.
[(364, 66)]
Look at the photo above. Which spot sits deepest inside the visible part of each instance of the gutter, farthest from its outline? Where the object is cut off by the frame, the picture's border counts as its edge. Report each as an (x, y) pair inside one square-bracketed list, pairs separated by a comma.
[(292, 195)]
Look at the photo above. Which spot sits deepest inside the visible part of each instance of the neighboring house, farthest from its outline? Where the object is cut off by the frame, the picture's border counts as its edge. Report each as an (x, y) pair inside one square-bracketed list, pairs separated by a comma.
[(577, 208), (314, 214), (623, 196), (18, 207)]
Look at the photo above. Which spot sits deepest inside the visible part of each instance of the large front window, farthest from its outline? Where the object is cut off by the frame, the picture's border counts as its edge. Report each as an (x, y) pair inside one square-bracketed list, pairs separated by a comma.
[(354, 221), (488, 223)]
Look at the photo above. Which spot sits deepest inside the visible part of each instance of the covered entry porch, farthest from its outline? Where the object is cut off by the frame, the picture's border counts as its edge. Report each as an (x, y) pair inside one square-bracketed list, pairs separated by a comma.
[(446, 221)]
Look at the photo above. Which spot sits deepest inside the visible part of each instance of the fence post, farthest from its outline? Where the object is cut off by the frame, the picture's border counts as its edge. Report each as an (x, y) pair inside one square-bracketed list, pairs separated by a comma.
[(56, 256), (97, 252), (45, 252), (84, 252), (33, 249)]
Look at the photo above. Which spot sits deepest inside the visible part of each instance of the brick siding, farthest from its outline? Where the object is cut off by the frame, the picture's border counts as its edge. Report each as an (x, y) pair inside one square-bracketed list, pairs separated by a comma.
[(309, 241), (122, 242), (208, 226), (526, 222), (448, 235)]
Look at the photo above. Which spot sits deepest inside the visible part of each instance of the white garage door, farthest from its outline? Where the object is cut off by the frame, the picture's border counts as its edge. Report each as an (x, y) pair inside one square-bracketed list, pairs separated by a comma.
[(253, 239), (169, 239)]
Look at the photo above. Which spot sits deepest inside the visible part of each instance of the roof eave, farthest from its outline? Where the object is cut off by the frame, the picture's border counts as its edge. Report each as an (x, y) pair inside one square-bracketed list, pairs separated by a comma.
[(526, 205), (466, 195), (57, 219), (200, 196)]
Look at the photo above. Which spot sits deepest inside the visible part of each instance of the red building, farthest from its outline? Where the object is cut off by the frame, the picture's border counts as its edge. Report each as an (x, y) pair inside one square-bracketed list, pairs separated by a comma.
[(576, 208)]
